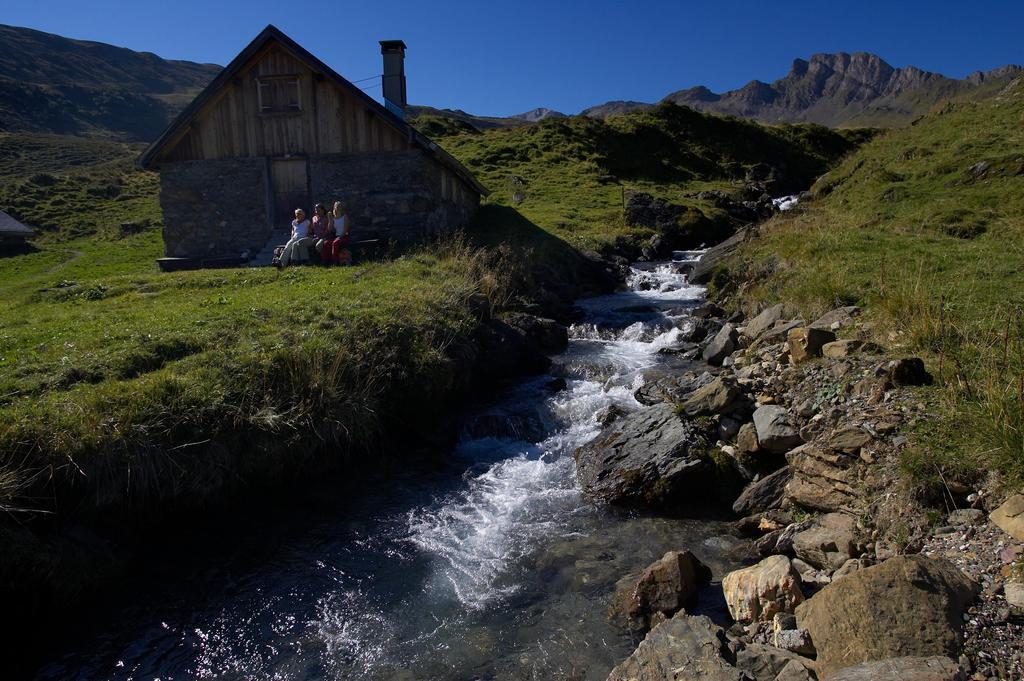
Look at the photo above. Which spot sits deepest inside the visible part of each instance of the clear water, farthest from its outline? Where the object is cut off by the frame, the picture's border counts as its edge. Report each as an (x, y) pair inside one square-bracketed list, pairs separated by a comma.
[(493, 567)]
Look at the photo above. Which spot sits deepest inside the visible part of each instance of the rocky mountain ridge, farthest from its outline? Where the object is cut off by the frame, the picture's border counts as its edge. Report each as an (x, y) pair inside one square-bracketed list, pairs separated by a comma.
[(841, 89)]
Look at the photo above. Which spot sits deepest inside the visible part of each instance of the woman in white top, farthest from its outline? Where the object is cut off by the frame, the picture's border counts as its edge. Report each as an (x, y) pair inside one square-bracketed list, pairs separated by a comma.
[(297, 247), (335, 250)]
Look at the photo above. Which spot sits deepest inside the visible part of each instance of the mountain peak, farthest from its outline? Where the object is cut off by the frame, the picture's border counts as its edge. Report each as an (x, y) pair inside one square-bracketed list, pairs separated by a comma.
[(538, 114), (833, 88), (799, 68)]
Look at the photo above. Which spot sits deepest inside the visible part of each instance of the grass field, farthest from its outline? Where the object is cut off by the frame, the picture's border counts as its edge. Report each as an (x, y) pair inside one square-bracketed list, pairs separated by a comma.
[(110, 369), (68, 187), (924, 227)]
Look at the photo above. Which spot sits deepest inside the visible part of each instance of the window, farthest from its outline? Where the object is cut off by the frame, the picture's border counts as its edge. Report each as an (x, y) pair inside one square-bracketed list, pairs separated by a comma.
[(279, 94)]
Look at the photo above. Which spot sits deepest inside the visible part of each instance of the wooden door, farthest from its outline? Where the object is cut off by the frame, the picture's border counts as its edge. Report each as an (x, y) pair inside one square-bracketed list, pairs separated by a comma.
[(291, 189)]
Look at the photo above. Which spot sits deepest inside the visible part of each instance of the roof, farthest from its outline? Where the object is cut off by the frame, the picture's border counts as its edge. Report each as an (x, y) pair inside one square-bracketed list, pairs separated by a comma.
[(10, 226), (271, 32)]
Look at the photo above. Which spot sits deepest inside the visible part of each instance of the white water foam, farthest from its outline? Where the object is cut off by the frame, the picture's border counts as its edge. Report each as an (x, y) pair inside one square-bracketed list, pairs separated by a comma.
[(786, 202), (476, 535)]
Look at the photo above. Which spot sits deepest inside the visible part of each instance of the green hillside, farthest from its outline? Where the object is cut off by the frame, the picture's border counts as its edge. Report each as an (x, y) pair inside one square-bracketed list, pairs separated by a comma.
[(67, 187), (53, 84), (902, 109), (573, 172), (924, 227)]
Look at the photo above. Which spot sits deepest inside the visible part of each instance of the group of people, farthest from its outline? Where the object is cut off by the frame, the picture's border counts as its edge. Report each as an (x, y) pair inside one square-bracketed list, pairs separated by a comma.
[(327, 234)]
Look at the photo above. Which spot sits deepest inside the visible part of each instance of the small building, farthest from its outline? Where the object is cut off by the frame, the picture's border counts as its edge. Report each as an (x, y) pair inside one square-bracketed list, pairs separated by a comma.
[(12, 232), (277, 130)]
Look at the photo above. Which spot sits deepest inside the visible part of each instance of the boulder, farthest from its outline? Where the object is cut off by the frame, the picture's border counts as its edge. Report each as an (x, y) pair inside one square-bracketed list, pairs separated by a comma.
[(823, 480), (758, 592), (746, 439), (779, 332), (809, 574), (662, 387), (649, 458), (721, 346), (546, 335), (828, 543), (713, 398), (1013, 590), (775, 430), (728, 428), (763, 321), (907, 371), (780, 541), (707, 311), (765, 663), (837, 318), (763, 495), (1010, 516), (504, 353), (908, 605), (966, 516), (805, 343), (847, 568), (935, 668), (849, 440), (796, 670), (684, 647), (664, 588), (794, 640), (694, 331), (644, 210), (715, 257), (846, 347)]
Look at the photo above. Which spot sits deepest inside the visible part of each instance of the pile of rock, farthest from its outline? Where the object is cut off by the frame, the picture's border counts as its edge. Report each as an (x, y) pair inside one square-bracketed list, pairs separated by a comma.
[(900, 620), (809, 422)]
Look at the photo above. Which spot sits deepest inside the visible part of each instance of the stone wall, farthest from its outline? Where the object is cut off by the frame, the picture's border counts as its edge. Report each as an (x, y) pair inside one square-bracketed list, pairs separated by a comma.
[(221, 208), (402, 195), (214, 208)]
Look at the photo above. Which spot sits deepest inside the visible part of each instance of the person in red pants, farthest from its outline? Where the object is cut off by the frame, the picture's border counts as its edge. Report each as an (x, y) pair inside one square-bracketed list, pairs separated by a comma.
[(336, 250), (323, 231)]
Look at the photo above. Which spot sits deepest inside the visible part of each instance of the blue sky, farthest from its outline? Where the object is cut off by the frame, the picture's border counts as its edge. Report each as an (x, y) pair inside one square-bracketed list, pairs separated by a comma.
[(500, 59)]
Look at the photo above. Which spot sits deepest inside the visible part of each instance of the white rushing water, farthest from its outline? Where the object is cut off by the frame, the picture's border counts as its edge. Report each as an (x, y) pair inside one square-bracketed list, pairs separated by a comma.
[(530, 491), (786, 202), (498, 568)]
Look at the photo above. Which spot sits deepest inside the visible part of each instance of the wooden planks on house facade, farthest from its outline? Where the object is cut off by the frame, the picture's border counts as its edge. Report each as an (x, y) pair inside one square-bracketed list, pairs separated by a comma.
[(329, 121)]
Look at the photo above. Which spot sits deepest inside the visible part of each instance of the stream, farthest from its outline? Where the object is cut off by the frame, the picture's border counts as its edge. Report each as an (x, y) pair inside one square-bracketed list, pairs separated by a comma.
[(491, 566)]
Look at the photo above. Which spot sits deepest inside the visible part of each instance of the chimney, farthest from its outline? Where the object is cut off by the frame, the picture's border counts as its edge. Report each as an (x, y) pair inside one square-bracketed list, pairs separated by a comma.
[(394, 76)]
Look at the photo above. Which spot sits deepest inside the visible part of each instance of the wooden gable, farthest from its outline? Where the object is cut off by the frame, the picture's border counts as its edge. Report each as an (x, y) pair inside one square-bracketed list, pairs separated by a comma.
[(333, 117), (328, 120)]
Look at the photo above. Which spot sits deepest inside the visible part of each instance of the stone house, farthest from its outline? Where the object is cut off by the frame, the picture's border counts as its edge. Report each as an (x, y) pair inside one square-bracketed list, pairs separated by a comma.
[(277, 130)]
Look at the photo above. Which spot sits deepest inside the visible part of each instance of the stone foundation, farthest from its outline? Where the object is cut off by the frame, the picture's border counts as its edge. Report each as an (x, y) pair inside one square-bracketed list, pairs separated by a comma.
[(223, 208), (214, 208)]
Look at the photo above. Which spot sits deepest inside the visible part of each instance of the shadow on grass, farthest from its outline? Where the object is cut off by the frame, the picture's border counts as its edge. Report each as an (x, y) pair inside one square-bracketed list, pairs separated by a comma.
[(11, 250), (546, 268)]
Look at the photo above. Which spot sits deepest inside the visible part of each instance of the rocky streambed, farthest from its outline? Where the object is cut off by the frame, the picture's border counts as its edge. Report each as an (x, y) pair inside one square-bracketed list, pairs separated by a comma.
[(494, 565), (846, 578)]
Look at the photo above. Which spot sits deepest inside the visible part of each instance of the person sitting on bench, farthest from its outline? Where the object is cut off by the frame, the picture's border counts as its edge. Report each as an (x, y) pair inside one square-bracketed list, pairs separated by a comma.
[(323, 230), (336, 250), (298, 245)]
